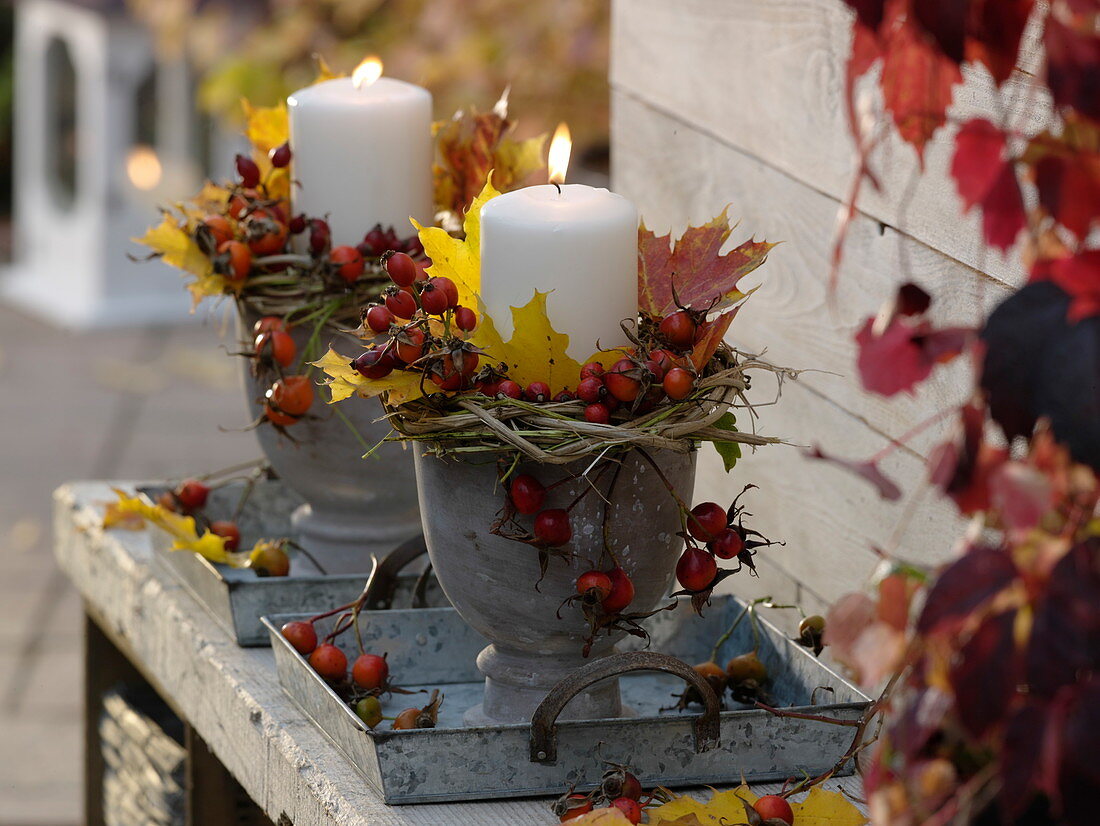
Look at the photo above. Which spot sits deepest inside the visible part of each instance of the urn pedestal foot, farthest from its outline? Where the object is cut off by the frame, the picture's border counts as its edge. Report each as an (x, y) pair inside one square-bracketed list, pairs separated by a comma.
[(516, 682), (343, 542)]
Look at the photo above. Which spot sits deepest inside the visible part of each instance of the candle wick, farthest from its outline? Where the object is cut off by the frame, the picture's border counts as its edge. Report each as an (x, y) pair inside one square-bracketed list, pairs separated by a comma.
[(555, 183)]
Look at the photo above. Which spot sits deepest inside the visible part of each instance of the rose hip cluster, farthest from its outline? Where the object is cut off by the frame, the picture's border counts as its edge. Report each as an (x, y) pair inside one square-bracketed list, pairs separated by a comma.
[(254, 227), (426, 329), (267, 558), (365, 683), (619, 789), (715, 533)]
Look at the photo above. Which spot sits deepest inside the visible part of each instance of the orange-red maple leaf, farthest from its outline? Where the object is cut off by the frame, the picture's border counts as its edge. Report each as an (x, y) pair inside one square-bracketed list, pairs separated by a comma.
[(693, 269)]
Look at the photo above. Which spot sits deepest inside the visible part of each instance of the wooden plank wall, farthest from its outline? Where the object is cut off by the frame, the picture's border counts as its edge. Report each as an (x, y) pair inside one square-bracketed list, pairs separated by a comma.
[(740, 102)]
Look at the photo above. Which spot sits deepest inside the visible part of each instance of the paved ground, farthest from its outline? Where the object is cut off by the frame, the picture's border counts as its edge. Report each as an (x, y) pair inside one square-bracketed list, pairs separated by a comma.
[(138, 404)]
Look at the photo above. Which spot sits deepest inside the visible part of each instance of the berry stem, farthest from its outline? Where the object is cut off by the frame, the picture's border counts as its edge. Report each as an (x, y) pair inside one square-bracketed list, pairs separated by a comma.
[(283, 258), (798, 715), (607, 515), (685, 509)]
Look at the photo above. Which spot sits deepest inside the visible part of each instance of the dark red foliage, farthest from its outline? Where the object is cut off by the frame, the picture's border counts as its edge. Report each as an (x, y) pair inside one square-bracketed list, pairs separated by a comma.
[(963, 468), (945, 21), (1038, 364), (898, 348), (1021, 766), (986, 178), (1079, 276), (868, 12), (1065, 637), (1069, 189), (984, 675), (996, 28), (1073, 67), (968, 582)]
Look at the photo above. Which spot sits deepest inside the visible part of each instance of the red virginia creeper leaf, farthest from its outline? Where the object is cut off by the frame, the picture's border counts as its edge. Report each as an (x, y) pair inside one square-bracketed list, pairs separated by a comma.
[(945, 21), (1021, 494), (996, 28), (885, 486), (978, 160), (1065, 636), (701, 274), (1021, 767), (893, 361), (917, 82), (1073, 67), (1079, 276), (968, 582), (984, 177), (962, 467), (1069, 189), (1003, 210), (1079, 770), (985, 673), (868, 12)]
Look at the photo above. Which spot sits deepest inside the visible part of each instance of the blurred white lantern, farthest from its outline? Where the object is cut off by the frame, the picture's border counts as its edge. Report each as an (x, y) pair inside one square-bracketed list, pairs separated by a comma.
[(105, 130)]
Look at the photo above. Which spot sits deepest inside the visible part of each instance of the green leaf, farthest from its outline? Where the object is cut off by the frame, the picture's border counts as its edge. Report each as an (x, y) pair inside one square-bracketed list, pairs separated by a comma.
[(729, 451)]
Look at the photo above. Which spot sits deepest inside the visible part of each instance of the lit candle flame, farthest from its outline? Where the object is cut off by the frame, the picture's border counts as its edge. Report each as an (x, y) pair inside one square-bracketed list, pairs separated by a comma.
[(143, 168), (558, 159), (367, 72)]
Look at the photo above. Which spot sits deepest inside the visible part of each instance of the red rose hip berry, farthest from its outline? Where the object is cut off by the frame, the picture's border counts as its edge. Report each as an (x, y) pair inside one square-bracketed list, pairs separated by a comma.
[(620, 384), (228, 531), (370, 671), (302, 635), (773, 806), (678, 383), (696, 569), (329, 661), (347, 262), (678, 329), (707, 521), (727, 544), (401, 269), (527, 494), (192, 494), (552, 527), (594, 583), (622, 591), (630, 808), (597, 414)]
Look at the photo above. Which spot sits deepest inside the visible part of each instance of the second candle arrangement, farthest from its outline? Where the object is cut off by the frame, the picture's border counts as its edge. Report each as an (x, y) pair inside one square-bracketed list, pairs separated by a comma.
[(556, 370)]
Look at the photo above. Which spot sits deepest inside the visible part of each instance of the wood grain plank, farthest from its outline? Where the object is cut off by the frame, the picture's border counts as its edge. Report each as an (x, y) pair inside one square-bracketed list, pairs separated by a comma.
[(767, 78)]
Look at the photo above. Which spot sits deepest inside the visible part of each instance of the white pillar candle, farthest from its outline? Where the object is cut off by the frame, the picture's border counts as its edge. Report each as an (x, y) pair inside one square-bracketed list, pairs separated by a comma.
[(579, 244), (362, 154)]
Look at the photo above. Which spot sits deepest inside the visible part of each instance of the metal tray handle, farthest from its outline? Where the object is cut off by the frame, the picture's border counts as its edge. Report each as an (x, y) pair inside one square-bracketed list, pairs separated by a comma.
[(383, 586), (544, 731)]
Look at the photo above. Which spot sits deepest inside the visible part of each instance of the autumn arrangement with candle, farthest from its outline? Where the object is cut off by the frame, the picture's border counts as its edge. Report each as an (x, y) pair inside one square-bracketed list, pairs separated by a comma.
[(557, 343), (333, 177)]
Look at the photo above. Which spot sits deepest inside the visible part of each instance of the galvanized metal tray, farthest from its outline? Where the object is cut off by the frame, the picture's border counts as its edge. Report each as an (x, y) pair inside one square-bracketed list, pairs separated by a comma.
[(435, 649), (237, 598)]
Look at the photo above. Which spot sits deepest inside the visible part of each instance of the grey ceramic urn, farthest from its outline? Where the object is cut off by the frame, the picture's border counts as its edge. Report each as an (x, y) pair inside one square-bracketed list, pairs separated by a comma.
[(353, 506), (491, 580)]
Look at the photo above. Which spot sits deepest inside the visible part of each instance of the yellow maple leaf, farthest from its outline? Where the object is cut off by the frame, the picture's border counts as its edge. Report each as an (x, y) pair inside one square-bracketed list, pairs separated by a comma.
[(266, 126), (324, 72), (825, 808), (171, 240), (536, 352), (181, 528), (344, 381), (607, 816), (520, 158), (456, 258), (818, 808)]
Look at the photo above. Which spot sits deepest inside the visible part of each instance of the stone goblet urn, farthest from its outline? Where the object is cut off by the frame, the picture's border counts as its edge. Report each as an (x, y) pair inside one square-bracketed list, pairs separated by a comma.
[(491, 579), (353, 506)]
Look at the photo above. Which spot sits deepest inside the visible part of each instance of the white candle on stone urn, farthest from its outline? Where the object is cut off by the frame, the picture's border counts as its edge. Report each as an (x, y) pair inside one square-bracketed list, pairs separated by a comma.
[(362, 153), (577, 242)]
